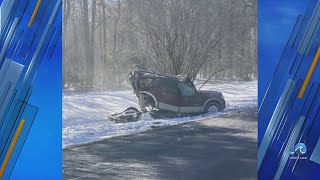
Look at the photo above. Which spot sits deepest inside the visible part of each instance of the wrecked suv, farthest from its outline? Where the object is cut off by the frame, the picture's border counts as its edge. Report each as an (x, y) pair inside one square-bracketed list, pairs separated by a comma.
[(173, 94)]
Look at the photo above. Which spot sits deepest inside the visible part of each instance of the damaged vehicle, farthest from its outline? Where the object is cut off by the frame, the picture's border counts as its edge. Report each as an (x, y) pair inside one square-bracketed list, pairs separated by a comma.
[(174, 94)]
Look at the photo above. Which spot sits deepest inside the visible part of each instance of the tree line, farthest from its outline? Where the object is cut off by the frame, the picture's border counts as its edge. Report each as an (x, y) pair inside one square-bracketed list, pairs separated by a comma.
[(105, 39)]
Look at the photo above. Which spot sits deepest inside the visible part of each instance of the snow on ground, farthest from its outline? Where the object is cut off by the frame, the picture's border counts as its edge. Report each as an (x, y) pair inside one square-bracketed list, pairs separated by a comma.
[(85, 114)]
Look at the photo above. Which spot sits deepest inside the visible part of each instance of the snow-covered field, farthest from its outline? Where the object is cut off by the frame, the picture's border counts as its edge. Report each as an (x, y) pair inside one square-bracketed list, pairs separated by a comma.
[(85, 115)]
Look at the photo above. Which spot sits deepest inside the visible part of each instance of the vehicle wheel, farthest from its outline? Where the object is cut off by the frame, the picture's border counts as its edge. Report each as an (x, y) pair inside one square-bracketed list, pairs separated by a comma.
[(212, 108)]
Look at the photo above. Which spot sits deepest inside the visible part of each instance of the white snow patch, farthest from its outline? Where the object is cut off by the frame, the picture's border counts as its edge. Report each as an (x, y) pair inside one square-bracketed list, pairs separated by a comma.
[(85, 115)]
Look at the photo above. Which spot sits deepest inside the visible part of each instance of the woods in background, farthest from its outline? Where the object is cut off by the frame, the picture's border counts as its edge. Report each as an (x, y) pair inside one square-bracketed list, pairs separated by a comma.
[(104, 39)]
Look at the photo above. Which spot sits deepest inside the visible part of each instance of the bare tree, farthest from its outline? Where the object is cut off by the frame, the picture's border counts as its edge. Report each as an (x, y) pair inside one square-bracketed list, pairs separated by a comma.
[(183, 34), (103, 39)]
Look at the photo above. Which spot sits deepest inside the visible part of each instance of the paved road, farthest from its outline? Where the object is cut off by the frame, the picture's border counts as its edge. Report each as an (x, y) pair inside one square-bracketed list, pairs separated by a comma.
[(215, 148)]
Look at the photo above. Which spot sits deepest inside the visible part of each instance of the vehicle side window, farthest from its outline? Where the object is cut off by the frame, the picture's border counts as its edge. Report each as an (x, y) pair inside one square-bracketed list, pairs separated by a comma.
[(170, 87), (186, 90)]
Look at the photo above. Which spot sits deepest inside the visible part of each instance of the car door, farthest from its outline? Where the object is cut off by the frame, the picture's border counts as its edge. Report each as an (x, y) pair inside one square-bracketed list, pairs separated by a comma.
[(190, 100), (169, 95)]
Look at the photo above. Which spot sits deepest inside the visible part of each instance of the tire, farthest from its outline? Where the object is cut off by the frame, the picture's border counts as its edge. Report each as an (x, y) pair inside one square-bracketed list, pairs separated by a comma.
[(212, 108)]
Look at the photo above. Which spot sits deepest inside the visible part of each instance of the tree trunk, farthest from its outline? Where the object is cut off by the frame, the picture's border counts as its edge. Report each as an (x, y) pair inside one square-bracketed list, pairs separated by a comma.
[(104, 32), (92, 40), (87, 51)]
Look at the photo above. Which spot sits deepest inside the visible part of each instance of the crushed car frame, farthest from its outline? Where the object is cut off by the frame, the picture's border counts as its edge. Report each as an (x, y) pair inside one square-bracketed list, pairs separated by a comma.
[(175, 94)]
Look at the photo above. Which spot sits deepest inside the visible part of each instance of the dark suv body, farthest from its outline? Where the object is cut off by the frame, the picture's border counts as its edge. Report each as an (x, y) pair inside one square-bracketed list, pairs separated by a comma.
[(173, 94)]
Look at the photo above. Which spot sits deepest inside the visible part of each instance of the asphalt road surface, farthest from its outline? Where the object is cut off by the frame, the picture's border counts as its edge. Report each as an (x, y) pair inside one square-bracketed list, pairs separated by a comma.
[(213, 148)]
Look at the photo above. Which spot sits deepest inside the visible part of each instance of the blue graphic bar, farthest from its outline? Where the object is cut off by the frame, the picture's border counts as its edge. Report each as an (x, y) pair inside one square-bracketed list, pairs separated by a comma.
[(8, 39), (5, 9), (11, 75), (275, 119), (28, 116), (28, 36), (315, 157), (292, 141), (311, 29)]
